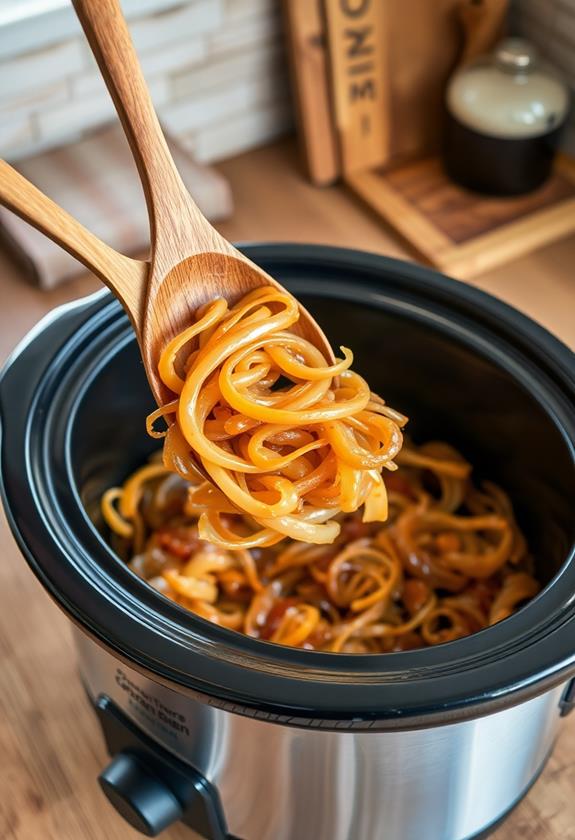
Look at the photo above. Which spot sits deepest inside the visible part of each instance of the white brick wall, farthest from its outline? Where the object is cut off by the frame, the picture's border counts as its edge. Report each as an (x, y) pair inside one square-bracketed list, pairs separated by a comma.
[(550, 24), (240, 133), (215, 68)]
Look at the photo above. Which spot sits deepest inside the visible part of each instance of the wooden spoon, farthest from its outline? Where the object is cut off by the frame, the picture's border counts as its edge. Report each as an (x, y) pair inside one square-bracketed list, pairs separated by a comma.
[(190, 262), (126, 277)]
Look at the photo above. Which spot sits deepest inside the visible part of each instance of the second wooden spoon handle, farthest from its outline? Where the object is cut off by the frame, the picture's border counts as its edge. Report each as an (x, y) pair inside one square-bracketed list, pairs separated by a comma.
[(110, 41), (126, 277)]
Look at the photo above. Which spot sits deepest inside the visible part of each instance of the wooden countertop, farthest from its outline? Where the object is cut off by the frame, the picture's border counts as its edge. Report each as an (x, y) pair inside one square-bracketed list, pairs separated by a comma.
[(50, 746)]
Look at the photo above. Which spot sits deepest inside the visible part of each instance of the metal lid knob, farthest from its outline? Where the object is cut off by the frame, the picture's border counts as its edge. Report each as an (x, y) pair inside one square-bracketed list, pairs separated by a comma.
[(144, 801), (516, 55)]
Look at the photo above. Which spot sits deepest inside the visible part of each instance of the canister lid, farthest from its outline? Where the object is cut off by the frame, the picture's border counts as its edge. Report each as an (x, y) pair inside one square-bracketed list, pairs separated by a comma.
[(509, 94), (515, 55)]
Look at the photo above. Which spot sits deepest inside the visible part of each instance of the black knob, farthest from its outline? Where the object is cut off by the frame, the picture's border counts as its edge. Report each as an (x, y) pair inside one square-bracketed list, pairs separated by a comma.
[(144, 801)]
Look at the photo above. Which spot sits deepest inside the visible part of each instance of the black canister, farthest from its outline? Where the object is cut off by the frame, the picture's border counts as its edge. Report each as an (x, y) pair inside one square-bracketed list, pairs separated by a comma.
[(505, 115)]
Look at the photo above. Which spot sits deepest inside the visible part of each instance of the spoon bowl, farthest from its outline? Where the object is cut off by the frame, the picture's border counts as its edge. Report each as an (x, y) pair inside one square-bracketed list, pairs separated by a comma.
[(196, 280)]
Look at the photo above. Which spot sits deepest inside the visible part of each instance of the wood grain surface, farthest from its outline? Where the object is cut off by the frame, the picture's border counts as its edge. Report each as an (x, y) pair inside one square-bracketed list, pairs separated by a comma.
[(50, 747), (306, 45)]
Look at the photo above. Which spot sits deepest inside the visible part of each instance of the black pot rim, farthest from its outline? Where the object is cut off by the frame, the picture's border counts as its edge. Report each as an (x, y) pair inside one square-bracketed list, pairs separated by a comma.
[(39, 388)]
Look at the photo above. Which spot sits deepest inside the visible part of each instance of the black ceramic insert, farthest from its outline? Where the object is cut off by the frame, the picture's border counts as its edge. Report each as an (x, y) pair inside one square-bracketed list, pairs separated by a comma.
[(464, 366)]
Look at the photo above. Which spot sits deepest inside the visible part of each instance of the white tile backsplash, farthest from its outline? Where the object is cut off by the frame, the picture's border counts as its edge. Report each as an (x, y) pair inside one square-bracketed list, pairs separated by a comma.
[(139, 8), (21, 33), (225, 71), (182, 117), (240, 133), (248, 32), (196, 18), (217, 105), (216, 70), (234, 10), (178, 56), (24, 74), (40, 98), (16, 132), (87, 84), (77, 114), (43, 30)]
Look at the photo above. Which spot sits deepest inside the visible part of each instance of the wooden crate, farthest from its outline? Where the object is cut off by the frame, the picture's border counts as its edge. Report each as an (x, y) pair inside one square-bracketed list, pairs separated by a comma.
[(461, 232)]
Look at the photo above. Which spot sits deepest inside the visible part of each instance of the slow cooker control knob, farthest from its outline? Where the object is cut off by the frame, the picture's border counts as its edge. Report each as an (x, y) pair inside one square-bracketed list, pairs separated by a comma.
[(144, 801)]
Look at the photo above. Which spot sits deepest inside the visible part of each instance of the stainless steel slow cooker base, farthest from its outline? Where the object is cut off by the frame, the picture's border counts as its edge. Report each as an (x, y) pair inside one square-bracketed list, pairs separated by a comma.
[(461, 777)]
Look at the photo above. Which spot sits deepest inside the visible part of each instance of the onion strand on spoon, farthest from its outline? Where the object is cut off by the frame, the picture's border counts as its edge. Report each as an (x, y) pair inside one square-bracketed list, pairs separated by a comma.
[(286, 437)]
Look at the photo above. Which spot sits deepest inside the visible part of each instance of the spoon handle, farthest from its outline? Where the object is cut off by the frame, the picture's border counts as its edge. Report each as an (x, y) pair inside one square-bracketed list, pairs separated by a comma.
[(175, 221), (126, 277)]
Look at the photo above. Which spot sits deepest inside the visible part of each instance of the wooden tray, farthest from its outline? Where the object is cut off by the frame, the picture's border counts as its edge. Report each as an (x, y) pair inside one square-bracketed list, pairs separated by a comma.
[(458, 231)]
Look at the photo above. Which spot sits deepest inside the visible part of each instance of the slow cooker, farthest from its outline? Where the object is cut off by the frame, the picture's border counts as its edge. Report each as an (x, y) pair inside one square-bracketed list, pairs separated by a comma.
[(241, 738)]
